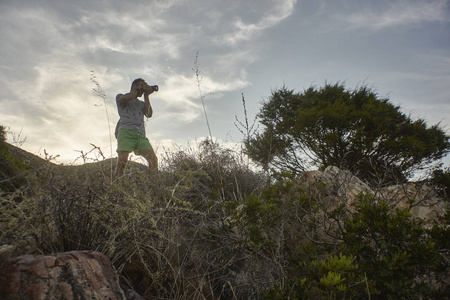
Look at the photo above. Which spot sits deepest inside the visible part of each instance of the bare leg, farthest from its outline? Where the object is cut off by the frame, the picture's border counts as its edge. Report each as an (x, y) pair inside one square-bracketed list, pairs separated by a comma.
[(122, 159), (151, 158)]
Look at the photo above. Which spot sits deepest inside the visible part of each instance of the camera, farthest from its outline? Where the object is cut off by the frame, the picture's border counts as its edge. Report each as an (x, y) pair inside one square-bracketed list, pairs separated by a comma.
[(154, 88)]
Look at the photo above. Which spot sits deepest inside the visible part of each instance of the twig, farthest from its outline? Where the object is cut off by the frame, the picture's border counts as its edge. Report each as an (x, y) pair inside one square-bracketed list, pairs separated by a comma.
[(367, 285)]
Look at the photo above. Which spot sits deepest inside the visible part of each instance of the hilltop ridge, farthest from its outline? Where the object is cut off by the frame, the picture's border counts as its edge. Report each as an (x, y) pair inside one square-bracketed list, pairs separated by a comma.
[(36, 161)]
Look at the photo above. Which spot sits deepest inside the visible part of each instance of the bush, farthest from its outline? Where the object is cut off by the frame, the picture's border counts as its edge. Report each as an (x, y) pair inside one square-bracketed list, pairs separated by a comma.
[(394, 249), (208, 226), (165, 233), (378, 251)]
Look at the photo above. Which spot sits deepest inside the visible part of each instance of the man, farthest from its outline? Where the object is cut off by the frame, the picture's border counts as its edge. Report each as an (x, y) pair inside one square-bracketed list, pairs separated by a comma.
[(130, 130)]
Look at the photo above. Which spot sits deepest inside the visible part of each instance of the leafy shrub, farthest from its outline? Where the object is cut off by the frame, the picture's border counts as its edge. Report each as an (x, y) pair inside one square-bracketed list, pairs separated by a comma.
[(380, 252), (208, 226), (330, 277), (394, 249)]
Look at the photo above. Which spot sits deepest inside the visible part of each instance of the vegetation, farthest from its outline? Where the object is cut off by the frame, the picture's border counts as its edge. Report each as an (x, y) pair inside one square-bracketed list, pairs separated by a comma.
[(208, 226), (11, 169), (170, 235), (441, 180), (355, 130)]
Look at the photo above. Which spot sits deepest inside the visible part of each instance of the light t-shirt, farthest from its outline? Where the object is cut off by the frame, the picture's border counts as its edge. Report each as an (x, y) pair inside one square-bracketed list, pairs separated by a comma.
[(131, 115)]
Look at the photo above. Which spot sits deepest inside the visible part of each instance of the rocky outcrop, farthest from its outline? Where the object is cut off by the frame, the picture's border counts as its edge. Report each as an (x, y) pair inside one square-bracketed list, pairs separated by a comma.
[(419, 199), (336, 186), (340, 185), (70, 275)]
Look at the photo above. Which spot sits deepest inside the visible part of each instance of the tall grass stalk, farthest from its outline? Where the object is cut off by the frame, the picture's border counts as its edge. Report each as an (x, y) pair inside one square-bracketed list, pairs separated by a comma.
[(199, 78), (101, 93)]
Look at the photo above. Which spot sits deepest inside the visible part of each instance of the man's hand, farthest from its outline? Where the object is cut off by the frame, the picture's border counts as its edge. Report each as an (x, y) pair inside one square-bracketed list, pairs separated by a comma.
[(148, 90)]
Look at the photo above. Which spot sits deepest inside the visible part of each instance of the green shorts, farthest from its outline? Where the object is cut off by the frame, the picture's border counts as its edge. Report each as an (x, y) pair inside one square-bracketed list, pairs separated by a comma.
[(131, 140)]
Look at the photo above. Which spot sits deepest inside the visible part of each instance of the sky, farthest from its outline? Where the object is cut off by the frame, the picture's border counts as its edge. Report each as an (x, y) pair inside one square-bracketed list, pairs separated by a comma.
[(206, 56)]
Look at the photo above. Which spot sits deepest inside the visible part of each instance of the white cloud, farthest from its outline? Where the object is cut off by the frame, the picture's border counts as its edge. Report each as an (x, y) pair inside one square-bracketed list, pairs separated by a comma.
[(180, 97), (244, 30), (58, 109), (50, 47), (397, 13)]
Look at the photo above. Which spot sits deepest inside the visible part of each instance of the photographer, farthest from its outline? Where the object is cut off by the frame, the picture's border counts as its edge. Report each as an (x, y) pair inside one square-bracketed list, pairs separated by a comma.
[(130, 129)]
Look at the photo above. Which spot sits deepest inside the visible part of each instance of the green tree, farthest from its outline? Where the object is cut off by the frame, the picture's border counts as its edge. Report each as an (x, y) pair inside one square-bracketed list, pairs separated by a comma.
[(356, 130)]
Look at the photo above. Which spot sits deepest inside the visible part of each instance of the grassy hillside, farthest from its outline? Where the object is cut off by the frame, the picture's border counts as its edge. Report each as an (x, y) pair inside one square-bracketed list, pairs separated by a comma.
[(207, 226), (26, 157)]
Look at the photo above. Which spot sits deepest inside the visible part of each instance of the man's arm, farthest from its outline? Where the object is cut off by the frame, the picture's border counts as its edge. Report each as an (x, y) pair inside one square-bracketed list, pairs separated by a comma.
[(148, 110), (127, 97)]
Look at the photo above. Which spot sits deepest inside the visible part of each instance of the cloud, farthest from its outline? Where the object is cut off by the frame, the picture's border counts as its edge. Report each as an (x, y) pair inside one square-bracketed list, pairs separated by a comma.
[(244, 30), (180, 97), (50, 48), (397, 13), (59, 107)]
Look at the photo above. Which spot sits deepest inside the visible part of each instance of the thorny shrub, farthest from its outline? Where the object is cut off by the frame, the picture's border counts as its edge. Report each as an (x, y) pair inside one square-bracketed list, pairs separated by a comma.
[(208, 226), (166, 233)]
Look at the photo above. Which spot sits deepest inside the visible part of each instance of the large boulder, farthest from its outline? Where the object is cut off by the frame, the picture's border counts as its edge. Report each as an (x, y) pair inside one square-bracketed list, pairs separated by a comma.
[(338, 186), (421, 201), (70, 275), (334, 186)]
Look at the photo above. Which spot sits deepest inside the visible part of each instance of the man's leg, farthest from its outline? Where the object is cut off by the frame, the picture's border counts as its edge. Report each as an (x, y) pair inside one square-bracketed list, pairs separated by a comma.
[(122, 158), (151, 158)]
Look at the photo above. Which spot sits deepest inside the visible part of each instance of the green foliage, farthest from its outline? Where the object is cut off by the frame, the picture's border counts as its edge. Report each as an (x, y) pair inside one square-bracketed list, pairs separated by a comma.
[(207, 226), (441, 180), (354, 130), (12, 171), (335, 273), (330, 277), (258, 217), (378, 251), (394, 249), (165, 233)]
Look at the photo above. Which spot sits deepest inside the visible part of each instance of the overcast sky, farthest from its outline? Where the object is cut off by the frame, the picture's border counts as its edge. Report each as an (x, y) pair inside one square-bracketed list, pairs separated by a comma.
[(51, 48)]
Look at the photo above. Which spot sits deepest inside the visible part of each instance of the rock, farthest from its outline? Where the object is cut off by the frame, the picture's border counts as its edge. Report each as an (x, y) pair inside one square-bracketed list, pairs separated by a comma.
[(420, 199), (340, 186), (130, 294), (70, 275), (5, 251)]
